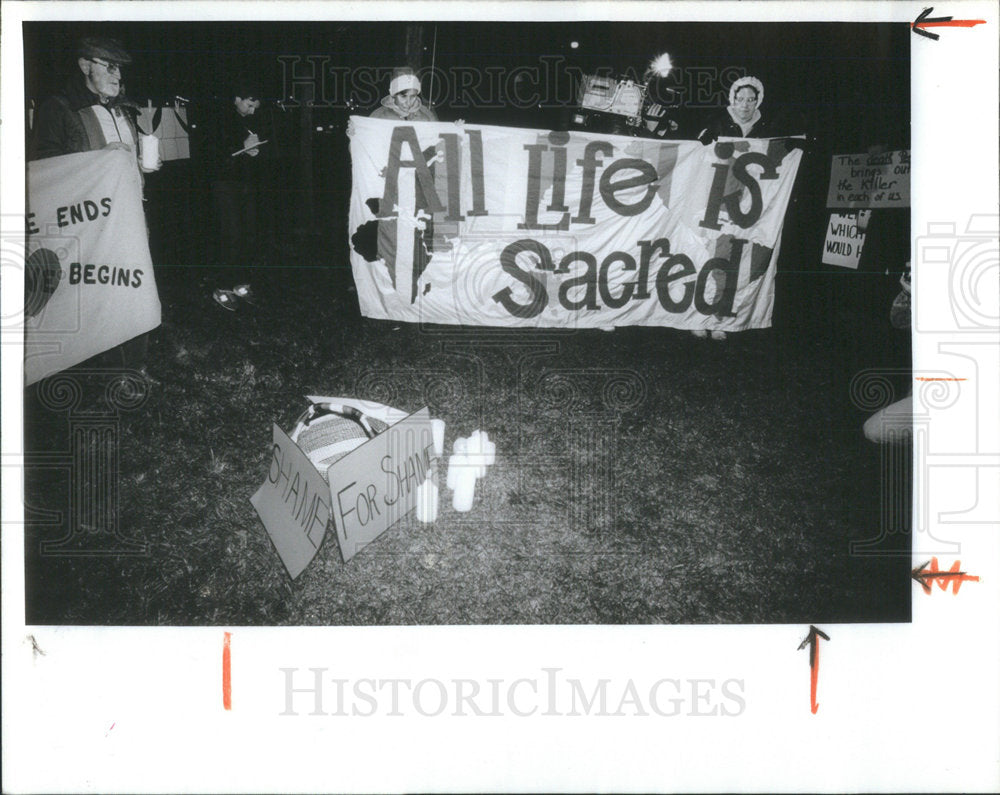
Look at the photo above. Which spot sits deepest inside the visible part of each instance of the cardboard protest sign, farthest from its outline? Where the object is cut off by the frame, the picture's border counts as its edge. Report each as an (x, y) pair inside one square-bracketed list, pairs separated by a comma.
[(498, 226), (844, 241), (374, 486), (88, 277), (881, 180), (370, 488), (293, 503)]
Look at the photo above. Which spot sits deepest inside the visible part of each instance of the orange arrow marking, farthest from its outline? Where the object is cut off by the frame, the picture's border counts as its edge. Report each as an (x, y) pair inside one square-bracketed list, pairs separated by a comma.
[(929, 573)]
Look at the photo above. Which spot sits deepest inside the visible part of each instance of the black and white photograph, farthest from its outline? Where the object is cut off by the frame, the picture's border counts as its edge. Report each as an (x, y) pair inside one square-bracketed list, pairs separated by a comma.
[(555, 327), (664, 447)]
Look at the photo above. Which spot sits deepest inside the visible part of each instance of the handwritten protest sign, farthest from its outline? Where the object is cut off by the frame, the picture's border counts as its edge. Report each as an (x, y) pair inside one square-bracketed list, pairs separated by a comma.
[(89, 282), (881, 180), (844, 241), (375, 486), (293, 503)]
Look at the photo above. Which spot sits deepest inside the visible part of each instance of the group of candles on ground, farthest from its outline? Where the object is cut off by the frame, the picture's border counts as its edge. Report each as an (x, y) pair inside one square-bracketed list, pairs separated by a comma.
[(467, 463)]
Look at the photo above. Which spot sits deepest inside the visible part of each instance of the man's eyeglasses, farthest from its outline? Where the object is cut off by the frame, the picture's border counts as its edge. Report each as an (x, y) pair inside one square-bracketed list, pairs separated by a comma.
[(112, 68)]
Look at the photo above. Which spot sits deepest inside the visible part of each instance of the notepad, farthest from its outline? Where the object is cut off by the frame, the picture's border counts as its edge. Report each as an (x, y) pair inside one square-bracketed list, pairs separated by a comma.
[(248, 148)]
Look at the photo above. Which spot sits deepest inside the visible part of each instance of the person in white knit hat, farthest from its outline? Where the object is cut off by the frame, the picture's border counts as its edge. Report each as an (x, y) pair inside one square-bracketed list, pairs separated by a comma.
[(403, 102)]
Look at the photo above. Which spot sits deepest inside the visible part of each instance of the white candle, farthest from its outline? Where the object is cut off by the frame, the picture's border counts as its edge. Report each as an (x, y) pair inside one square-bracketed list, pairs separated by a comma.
[(453, 467), (465, 487), (427, 501), (437, 430), (476, 453)]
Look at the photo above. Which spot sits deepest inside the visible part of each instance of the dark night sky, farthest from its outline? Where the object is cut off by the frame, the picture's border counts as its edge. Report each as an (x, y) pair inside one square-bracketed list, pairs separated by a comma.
[(846, 82)]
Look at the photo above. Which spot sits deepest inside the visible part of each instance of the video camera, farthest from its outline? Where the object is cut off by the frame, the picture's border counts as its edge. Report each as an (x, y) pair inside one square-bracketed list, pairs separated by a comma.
[(624, 107), (607, 99)]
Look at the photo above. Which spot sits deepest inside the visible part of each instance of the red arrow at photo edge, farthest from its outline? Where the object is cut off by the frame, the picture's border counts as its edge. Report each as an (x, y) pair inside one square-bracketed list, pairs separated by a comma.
[(813, 640), (924, 20), (227, 683), (949, 23)]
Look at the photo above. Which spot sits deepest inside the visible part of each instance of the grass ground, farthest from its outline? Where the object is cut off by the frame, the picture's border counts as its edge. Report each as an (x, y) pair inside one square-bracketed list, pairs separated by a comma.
[(643, 476)]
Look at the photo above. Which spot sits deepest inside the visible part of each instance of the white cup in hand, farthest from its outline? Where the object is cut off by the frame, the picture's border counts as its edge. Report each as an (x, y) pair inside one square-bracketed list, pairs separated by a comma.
[(149, 152)]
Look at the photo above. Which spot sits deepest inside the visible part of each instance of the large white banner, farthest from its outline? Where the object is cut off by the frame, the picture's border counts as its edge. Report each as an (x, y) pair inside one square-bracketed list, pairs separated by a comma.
[(89, 277), (500, 226)]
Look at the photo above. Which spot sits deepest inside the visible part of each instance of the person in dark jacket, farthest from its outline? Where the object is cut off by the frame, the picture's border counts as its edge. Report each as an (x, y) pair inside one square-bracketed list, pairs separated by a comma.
[(660, 104), (91, 112), (742, 119), (234, 148)]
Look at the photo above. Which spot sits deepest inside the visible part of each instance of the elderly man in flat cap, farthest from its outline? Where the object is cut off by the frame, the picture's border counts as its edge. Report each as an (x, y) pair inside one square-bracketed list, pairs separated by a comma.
[(90, 112), (87, 115)]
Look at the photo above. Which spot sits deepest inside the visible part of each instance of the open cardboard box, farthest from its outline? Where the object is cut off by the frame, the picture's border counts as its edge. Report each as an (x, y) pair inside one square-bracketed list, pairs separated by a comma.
[(363, 494)]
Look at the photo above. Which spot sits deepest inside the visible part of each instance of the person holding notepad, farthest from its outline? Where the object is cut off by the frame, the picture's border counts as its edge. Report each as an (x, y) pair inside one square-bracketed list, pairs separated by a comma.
[(234, 146)]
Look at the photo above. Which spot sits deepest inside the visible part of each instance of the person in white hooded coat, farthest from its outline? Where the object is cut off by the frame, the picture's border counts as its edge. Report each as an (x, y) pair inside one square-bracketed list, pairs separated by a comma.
[(742, 118)]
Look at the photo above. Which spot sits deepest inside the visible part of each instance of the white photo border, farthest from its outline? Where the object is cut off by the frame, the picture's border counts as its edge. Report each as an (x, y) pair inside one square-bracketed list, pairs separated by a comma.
[(903, 707)]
